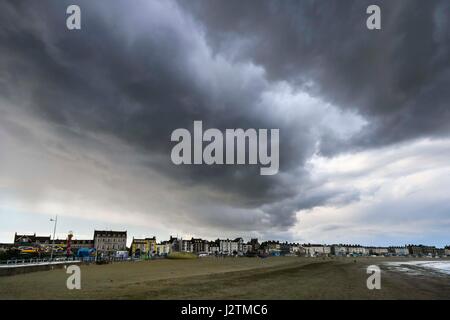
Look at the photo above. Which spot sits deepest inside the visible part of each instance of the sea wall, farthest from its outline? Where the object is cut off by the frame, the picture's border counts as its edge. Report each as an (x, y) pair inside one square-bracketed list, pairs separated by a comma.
[(13, 270)]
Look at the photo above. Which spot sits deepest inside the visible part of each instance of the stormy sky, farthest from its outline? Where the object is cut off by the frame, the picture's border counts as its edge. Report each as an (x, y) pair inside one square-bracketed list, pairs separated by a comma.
[(364, 119)]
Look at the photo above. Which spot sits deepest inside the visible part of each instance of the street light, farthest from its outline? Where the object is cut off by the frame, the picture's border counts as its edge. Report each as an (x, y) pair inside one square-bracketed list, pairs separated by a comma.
[(54, 231)]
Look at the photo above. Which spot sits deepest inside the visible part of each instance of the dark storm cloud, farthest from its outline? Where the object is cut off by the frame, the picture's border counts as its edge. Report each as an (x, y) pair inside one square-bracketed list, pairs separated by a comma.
[(397, 78), (133, 80), (99, 79), (139, 72)]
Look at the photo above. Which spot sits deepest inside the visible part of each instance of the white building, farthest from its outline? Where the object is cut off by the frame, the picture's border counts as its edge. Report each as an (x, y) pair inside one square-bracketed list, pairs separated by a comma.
[(447, 251), (163, 249), (186, 246), (379, 251), (339, 250), (313, 250), (357, 250), (228, 247), (214, 248), (399, 251)]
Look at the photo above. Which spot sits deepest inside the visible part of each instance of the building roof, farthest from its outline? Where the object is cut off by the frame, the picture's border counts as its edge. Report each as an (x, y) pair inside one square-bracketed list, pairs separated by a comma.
[(109, 233), (136, 240), (32, 238)]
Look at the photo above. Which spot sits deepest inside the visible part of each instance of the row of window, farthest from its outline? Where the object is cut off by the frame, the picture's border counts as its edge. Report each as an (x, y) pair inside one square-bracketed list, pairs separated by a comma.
[(113, 247), (110, 240)]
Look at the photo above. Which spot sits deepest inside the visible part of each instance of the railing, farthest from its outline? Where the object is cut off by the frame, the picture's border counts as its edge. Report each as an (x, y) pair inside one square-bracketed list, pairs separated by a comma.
[(31, 261)]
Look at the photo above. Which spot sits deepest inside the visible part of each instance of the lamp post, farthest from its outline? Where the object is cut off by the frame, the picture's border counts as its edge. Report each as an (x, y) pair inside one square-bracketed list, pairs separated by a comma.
[(54, 231)]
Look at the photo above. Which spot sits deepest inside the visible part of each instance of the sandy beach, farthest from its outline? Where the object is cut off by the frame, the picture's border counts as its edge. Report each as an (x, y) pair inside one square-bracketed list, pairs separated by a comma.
[(235, 278)]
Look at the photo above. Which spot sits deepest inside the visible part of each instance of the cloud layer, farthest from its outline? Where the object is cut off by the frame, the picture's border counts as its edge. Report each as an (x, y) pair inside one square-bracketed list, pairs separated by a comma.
[(87, 115)]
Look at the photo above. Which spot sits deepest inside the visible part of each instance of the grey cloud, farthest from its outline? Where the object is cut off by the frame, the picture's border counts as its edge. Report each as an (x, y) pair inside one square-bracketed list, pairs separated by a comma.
[(138, 72), (396, 78), (138, 81)]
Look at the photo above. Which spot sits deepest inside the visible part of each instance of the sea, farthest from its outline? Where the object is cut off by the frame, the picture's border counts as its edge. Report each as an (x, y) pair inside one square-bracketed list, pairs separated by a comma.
[(412, 267)]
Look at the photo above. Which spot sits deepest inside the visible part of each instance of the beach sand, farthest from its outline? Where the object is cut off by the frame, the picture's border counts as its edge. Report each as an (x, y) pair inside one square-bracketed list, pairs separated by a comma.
[(233, 278)]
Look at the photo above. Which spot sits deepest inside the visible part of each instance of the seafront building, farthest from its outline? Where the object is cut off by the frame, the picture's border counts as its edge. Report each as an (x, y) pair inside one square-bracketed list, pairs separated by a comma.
[(398, 251), (339, 250), (143, 247), (108, 243), (229, 247), (163, 249), (200, 245), (30, 240), (314, 250), (447, 251)]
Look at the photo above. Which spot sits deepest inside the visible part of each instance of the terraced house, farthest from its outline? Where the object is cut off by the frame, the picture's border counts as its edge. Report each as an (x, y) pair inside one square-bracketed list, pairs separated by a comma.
[(398, 251), (200, 245), (313, 250), (229, 247)]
